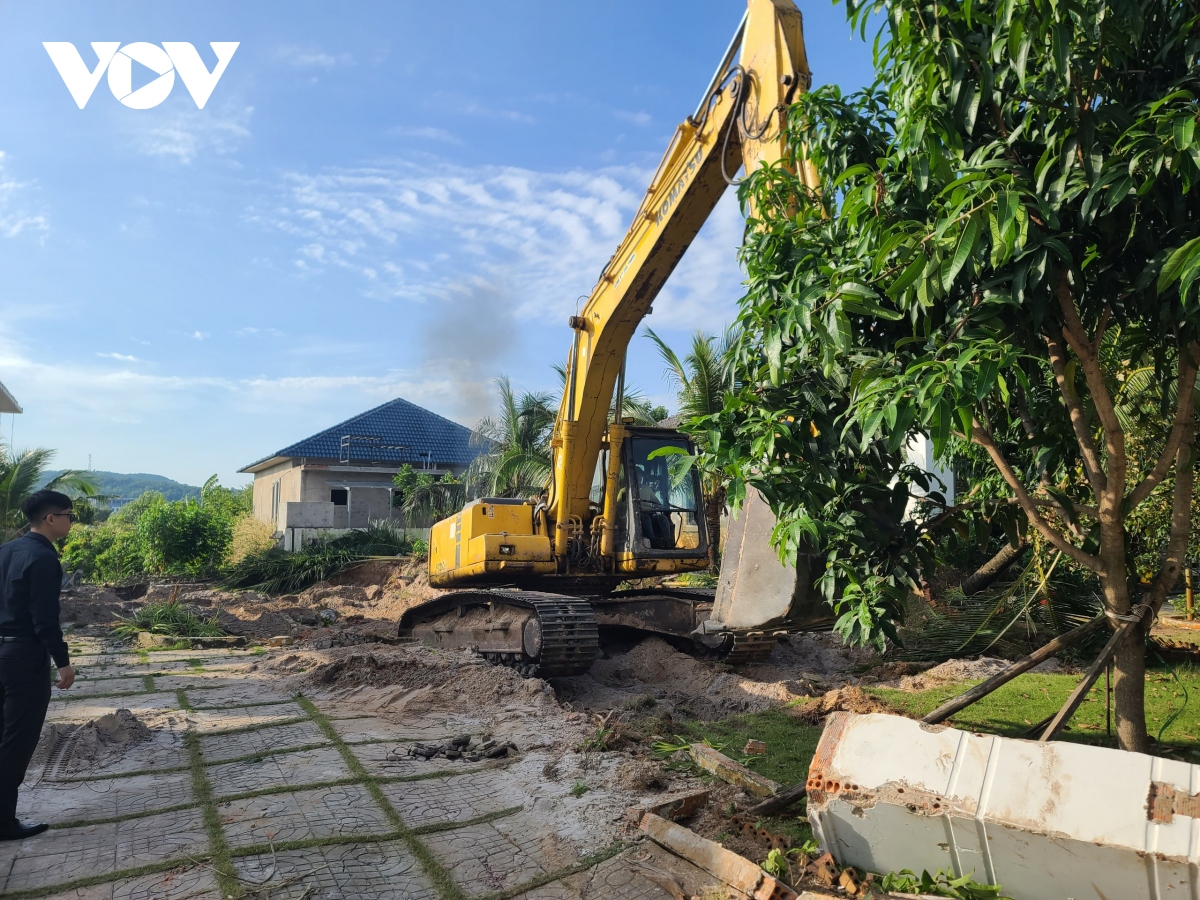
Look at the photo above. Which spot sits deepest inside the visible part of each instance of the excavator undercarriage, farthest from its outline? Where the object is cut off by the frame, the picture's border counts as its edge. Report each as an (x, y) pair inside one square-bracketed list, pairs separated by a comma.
[(556, 635)]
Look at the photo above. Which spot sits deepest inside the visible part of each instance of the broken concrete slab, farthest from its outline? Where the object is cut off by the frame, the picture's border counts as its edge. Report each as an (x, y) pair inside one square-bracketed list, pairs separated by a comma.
[(731, 869), (674, 807), (717, 763), (1042, 820)]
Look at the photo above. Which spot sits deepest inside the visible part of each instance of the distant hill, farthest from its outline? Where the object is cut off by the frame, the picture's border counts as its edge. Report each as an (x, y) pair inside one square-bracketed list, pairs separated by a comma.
[(129, 487)]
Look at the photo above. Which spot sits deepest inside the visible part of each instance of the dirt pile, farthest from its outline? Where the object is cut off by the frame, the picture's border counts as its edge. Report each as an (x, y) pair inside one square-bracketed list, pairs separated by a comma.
[(958, 670), (93, 605), (366, 603), (414, 679), (69, 749), (652, 672), (844, 699)]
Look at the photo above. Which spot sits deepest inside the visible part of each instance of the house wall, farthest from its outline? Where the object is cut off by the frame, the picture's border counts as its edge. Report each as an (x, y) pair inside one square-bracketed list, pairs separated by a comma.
[(311, 483), (270, 505)]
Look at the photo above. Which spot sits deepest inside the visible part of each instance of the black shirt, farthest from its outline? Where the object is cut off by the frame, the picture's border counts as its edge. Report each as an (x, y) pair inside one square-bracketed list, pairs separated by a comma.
[(30, 579)]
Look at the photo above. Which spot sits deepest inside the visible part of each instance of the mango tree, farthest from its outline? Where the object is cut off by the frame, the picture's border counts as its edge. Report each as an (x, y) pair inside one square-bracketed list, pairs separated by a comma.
[(1006, 225)]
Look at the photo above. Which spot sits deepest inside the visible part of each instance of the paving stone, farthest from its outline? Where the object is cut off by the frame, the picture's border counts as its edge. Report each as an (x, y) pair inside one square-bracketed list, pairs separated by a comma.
[(366, 729), (63, 855), (300, 815), (217, 747), (58, 856), (163, 751), (383, 871), (85, 686), (566, 889), (534, 832), (246, 694), (80, 711), (641, 873), (205, 721), (278, 770), (194, 883), (388, 758), (454, 799), (201, 682), (166, 836), (482, 859), (52, 801)]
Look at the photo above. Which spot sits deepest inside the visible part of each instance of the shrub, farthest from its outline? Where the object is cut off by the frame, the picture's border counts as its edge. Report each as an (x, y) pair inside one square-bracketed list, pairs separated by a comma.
[(103, 553), (131, 512), (168, 618), (420, 548), (183, 537), (250, 536), (275, 571)]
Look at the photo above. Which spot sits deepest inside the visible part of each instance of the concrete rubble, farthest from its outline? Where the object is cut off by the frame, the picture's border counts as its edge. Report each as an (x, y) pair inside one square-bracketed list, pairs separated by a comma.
[(1043, 820)]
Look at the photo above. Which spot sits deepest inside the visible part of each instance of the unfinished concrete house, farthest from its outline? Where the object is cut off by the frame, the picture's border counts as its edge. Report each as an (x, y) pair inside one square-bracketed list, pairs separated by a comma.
[(341, 478)]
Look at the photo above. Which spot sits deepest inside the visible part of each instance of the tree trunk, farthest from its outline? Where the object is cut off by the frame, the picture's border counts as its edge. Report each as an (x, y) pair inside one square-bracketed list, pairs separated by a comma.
[(714, 505), (1129, 691), (1129, 663), (993, 568)]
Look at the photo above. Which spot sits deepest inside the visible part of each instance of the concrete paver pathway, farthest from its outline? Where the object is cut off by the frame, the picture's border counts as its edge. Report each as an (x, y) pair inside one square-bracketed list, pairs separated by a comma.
[(244, 791)]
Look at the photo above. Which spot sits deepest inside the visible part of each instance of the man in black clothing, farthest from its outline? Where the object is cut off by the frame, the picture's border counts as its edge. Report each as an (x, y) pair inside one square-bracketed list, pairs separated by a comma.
[(30, 579)]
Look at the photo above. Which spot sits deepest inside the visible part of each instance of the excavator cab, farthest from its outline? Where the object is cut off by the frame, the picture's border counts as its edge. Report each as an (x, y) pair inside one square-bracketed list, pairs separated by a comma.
[(660, 511)]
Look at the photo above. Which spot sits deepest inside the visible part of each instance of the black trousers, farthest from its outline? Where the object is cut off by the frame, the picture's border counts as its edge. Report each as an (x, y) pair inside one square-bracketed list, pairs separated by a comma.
[(24, 699)]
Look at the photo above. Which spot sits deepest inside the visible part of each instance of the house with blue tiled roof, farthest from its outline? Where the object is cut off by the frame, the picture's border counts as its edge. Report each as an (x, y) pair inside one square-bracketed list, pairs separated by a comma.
[(341, 477)]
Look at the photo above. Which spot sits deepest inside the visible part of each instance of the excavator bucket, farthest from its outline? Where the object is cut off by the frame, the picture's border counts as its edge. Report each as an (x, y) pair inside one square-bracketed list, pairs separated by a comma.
[(755, 589)]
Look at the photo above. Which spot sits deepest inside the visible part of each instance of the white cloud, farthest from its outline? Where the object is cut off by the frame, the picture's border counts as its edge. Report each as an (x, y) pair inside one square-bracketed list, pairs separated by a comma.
[(188, 133), (149, 420), (634, 118), (483, 109), (246, 332), (426, 133), (311, 57), (15, 218), (119, 356), (423, 231), (199, 335)]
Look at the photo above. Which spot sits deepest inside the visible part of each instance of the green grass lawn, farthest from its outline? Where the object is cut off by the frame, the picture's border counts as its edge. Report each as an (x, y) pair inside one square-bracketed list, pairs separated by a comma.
[(1030, 698), (790, 748), (1009, 711)]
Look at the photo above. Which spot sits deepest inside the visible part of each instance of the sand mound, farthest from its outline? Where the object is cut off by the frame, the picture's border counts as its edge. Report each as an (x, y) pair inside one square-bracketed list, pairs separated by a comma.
[(846, 699), (69, 749), (956, 670), (92, 605), (254, 621), (817, 653), (416, 679), (654, 670)]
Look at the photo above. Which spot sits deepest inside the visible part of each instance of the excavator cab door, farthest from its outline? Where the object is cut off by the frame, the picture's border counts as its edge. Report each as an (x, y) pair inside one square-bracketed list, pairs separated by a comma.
[(661, 512)]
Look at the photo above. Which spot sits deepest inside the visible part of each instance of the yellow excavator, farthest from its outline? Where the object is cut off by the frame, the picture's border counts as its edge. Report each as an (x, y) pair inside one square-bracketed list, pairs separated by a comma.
[(534, 580)]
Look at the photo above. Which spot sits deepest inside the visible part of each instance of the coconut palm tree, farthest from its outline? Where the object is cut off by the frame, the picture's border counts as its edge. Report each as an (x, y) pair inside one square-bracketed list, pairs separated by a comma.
[(515, 461), (20, 475), (701, 379)]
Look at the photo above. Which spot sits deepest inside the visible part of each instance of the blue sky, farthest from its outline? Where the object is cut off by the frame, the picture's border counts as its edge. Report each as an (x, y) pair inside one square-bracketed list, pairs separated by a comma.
[(379, 199)]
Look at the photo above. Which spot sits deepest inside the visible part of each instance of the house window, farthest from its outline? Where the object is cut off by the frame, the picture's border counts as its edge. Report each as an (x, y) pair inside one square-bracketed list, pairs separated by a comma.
[(339, 496)]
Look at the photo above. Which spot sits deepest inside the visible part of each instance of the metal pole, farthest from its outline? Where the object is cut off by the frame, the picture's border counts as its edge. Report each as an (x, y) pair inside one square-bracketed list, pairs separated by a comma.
[(1189, 596), (620, 393), (1108, 699)]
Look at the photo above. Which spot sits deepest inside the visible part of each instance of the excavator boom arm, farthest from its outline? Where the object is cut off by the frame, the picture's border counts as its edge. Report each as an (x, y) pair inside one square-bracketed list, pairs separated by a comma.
[(741, 122)]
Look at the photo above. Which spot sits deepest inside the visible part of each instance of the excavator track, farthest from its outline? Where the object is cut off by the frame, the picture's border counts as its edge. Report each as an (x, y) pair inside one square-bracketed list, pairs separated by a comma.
[(557, 635), (751, 647), (674, 612)]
